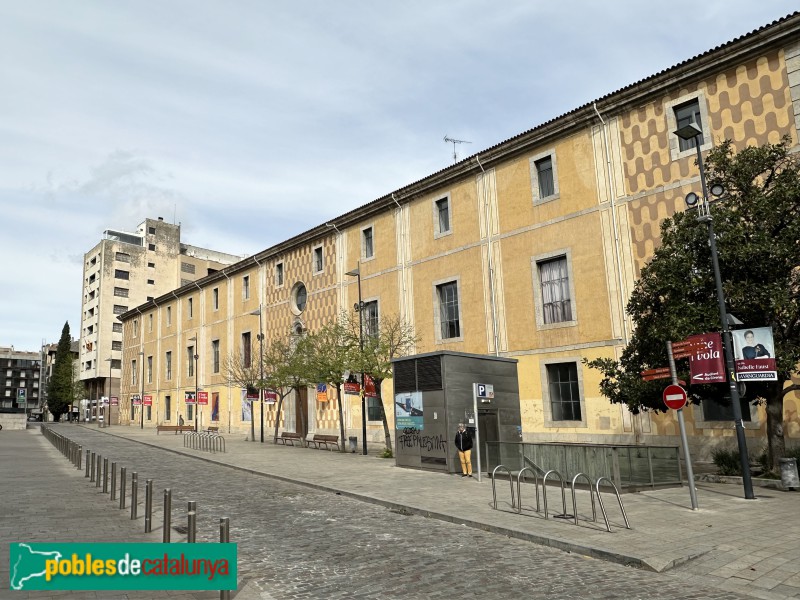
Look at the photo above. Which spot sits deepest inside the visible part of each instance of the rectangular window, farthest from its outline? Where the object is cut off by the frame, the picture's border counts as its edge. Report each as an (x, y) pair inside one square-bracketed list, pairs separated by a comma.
[(686, 113), (556, 301), (116, 327), (215, 356), (151, 230), (151, 247), (544, 172), (149, 369), (448, 310), (246, 350), (167, 408), (443, 215), (565, 399), (151, 282), (215, 406), (120, 274), (121, 292), (123, 257), (187, 268), (134, 371), (371, 318), (190, 361), (151, 265), (190, 412), (135, 327), (168, 365), (189, 308), (374, 409), (150, 323), (148, 413), (318, 264), (246, 287), (116, 363), (367, 248), (116, 345), (723, 410), (119, 309), (169, 316), (215, 298), (279, 275)]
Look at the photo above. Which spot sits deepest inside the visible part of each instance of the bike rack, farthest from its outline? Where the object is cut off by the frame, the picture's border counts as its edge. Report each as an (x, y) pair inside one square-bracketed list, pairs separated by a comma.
[(602, 508), (563, 494), (591, 495), (209, 442), (510, 481), (520, 478)]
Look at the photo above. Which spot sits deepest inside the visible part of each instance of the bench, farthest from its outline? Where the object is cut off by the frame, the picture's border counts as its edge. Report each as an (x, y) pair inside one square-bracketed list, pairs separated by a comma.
[(288, 437), (176, 428), (320, 440), (213, 430)]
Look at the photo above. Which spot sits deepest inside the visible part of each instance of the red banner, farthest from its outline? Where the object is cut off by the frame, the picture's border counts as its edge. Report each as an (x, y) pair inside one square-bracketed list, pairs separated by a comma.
[(202, 398), (270, 396), (369, 387), (352, 388), (706, 360), (148, 400)]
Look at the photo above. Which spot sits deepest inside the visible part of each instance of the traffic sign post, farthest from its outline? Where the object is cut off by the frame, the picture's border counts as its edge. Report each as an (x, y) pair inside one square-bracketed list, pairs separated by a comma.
[(675, 398), (479, 390)]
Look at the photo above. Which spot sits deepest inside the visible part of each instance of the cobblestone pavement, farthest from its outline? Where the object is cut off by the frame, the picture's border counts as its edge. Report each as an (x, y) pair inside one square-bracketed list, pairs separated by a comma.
[(296, 542)]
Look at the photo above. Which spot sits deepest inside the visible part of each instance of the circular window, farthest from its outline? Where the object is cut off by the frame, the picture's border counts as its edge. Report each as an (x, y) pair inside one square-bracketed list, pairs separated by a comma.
[(299, 298)]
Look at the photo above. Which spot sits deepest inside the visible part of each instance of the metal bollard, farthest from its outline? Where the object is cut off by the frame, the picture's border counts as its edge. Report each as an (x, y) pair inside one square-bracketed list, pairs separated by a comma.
[(105, 475), (97, 475), (224, 538), (192, 514), (122, 482), (91, 472), (87, 463), (80, 457), (167, 516), (148, 505), (134, 493), (113, 481)]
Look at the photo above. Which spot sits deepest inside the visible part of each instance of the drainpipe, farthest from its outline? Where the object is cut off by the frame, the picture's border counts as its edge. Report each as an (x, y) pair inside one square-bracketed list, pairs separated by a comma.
[(402, 256), (489, 260)]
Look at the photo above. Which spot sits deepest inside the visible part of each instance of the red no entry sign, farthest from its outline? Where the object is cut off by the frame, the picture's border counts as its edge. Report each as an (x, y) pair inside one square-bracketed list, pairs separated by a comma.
[(674, 397)]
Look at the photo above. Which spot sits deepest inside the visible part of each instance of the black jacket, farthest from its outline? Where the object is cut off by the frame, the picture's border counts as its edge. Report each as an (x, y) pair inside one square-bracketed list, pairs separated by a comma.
[(464, 440)]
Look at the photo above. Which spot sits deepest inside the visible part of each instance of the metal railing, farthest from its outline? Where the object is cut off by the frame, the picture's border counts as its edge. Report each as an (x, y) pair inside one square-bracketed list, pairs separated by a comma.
[(204, 440), (629, 467)]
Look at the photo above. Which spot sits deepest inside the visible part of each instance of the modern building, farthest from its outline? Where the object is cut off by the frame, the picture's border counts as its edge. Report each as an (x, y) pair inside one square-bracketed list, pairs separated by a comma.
[(124, 270), (527, 250), (20, 388)]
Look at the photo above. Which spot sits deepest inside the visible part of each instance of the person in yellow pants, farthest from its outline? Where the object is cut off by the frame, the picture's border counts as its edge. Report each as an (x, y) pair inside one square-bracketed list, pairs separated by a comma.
[(464, 447)]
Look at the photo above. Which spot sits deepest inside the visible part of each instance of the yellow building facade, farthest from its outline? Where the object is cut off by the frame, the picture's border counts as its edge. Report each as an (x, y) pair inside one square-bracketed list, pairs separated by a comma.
[(526, 250)]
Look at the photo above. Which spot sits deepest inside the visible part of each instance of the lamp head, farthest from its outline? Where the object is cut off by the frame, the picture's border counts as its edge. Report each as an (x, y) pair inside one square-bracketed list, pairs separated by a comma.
[(688, 131), (692, 199), (717, 189), (354, 273)]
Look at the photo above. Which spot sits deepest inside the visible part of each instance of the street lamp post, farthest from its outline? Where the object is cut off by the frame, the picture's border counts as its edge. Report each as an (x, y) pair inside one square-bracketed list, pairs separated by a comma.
[(261, 369), (360, 309), (693, 132), (195, 356), (141, 397)]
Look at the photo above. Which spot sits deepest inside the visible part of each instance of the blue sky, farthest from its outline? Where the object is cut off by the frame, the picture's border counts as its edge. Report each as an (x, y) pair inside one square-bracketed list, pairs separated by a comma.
[(252, 121)]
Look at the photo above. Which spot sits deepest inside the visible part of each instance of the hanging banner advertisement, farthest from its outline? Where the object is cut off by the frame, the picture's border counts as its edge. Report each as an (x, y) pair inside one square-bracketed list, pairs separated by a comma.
[(215, 406), (202, 398), (408, 410), (706, 359), (148, 400), (322, 392), (247, 411), (351, 387), (136, 400), (270, 396), (188, 397), (369, 387), (114, 401), (754, 350)]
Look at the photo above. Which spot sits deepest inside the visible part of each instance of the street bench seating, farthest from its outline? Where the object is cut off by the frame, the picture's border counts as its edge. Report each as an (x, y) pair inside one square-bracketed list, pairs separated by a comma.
[(213, 430), (320, 440), (289, 437), (176, 428)]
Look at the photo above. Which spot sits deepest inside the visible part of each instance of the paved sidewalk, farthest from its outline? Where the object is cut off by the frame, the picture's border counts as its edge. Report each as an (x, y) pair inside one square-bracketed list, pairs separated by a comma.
[(747, 546)]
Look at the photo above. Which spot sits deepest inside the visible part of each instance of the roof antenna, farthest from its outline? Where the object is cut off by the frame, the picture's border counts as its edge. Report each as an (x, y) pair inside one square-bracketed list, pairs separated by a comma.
[(454, 142)]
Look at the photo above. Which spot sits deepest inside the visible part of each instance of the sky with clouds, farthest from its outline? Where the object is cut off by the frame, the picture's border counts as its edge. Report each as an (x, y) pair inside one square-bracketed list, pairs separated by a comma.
[(252, 121)]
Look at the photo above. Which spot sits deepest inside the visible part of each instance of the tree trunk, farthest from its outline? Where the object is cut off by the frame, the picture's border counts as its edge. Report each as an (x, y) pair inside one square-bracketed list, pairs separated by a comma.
[(387, 435), (776, 444), (341, 415), (278, 418)]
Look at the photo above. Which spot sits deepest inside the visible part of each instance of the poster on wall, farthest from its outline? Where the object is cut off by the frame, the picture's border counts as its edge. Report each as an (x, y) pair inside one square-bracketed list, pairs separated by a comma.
[(247, 408), (215, 406), (754, 350), (408, 410), (322, 392)]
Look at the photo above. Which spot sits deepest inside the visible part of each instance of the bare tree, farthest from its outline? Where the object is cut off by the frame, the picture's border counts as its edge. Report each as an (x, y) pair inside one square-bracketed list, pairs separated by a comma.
[(244, 374), (286, 368)]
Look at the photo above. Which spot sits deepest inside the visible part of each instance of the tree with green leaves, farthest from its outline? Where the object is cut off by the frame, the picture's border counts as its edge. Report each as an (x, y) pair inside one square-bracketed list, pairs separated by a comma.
[(394, 338), (332, 353), (244, 375), (60, 388), (287, 369), (757, 227)]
